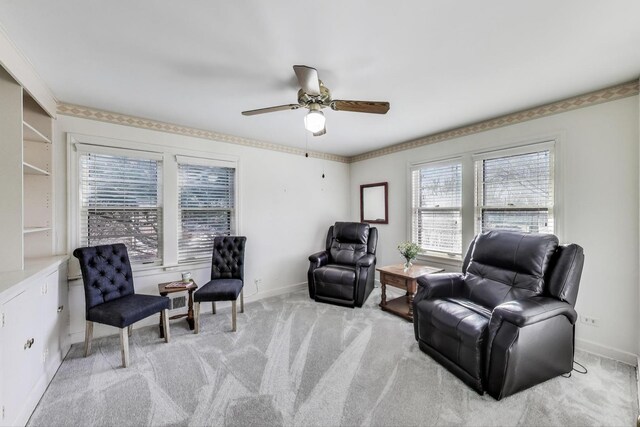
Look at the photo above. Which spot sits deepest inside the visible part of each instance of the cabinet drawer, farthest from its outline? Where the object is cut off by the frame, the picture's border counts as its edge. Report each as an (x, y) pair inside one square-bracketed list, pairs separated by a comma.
[(391, 280)]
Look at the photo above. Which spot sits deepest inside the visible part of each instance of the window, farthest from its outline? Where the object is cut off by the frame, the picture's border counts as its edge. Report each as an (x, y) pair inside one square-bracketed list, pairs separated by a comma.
[(437, 207), (514, 190), (120, 202), (206, 202), (165, 203)]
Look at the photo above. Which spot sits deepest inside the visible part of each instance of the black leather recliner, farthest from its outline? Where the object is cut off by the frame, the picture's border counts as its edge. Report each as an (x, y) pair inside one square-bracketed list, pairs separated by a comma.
[(507, 322), (344, 273)]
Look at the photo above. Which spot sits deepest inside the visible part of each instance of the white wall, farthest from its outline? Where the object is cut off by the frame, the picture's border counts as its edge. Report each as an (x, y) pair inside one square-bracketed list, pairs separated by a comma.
[(598, 159), (285, 207)]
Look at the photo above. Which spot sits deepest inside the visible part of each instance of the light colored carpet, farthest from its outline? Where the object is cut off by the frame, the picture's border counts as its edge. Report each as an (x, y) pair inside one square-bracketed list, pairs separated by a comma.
[(297, 362)]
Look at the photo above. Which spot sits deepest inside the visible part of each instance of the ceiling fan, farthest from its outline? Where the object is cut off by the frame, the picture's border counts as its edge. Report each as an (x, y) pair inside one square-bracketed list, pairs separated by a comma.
[(315, 96)]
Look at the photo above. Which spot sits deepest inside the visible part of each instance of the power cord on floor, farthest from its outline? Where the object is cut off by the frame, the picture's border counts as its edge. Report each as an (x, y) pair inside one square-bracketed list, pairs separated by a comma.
[(578, 371), (257, 289)]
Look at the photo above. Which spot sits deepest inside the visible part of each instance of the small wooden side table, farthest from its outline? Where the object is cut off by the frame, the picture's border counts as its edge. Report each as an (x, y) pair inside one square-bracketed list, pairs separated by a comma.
[(394, 275), (164, 291)]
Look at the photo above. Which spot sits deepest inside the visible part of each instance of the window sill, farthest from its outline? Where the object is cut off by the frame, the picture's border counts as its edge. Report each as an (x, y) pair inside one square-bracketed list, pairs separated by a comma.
[(446, 260), (143, 270)]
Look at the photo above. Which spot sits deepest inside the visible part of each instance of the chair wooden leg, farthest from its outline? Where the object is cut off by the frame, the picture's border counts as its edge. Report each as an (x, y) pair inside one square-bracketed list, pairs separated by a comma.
[(242, 301), (233, 315), (130, 329), (124, 344), (196, 319), (213, 308), (165, 323), (88, 336)]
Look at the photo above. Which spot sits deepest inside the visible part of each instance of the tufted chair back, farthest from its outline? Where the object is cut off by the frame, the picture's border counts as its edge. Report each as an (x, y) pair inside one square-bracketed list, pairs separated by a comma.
[(347, 242), (506, 266), (106, 272), (228, 257)]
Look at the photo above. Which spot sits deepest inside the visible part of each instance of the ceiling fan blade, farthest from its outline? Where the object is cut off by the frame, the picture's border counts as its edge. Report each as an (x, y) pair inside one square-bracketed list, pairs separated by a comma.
[(361, 106), (308, 79), (320, 132), (271, 109)]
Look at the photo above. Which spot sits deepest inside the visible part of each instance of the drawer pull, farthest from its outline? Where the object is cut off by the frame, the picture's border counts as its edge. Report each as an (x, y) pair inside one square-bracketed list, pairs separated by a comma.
[(60, 308), (29, 343)]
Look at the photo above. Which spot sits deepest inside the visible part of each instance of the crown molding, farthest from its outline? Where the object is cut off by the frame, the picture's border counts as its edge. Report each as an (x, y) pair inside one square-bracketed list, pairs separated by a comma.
[(613, 93), (125, 120), (23, 71)]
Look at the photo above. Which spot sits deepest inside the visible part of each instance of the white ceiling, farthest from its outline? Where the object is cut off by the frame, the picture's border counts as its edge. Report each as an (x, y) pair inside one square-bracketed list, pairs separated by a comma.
[(440, 64)]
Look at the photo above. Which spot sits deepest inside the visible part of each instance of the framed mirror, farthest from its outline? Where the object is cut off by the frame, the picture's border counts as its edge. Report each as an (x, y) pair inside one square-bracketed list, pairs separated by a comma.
[(373, 203)]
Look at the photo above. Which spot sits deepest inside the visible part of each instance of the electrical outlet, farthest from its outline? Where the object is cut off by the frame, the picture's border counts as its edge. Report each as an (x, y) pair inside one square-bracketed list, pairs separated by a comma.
[(591, 321)]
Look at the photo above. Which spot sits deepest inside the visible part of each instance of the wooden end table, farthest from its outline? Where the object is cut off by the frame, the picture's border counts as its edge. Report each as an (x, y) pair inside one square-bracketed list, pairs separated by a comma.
[(164, 291), (394, 275)]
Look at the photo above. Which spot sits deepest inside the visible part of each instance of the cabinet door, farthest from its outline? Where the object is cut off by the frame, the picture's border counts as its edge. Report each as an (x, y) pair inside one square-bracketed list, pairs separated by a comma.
[(22, 349), (51, 327)]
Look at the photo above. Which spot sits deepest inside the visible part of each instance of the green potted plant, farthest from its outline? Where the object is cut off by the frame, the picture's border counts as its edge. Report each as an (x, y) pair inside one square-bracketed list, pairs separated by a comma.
[(409, 251)]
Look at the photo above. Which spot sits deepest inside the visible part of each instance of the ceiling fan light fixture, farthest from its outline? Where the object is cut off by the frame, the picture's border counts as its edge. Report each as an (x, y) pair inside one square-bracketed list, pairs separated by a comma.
[(314, 95), (314, 120)]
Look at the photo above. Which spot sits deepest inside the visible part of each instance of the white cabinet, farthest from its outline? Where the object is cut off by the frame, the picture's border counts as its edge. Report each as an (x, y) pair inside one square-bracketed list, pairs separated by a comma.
[(33, 337), (22, 350), (55, 331)]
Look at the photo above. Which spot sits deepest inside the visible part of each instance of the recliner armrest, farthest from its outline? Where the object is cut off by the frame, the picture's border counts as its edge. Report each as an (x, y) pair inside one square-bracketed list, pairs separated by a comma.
[(366, 261), (511, 345), (319, 259), (532, 310), (440, 285)]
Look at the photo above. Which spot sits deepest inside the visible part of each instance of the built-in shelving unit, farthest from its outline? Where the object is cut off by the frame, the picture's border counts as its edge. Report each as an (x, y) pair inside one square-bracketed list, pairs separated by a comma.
[(35, 229), (26, 181), (30, 169), (37, 130), (33, 281), (30, 133)]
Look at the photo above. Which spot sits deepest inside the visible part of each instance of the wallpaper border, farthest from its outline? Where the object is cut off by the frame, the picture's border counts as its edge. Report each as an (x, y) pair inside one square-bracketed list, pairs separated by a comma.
[(612, 93)]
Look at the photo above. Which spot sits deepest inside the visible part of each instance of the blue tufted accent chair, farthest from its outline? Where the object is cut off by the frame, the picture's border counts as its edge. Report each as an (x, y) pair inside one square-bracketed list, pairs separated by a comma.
[(227, 277), (109, 295)]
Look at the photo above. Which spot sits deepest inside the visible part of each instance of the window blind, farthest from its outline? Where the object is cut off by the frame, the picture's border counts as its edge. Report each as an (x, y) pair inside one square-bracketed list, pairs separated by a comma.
[(120, 202), (437, 207), (515, 192), (207, 203)]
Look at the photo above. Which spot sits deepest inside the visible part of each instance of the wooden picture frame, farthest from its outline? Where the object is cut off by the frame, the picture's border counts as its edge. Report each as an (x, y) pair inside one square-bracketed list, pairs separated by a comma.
[(374, 206)]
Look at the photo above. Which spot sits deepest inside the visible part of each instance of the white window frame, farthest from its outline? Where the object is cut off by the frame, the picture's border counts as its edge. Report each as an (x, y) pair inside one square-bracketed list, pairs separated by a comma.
[(412, 192), (170, 215), (520, 143), (508, 152), (199, 161), (82, 149)]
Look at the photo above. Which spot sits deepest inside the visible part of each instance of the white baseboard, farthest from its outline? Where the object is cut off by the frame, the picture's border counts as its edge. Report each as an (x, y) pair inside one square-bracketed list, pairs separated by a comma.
[(103, 331), (609, 352), (275, 292), (31, 402), (638, 384)]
